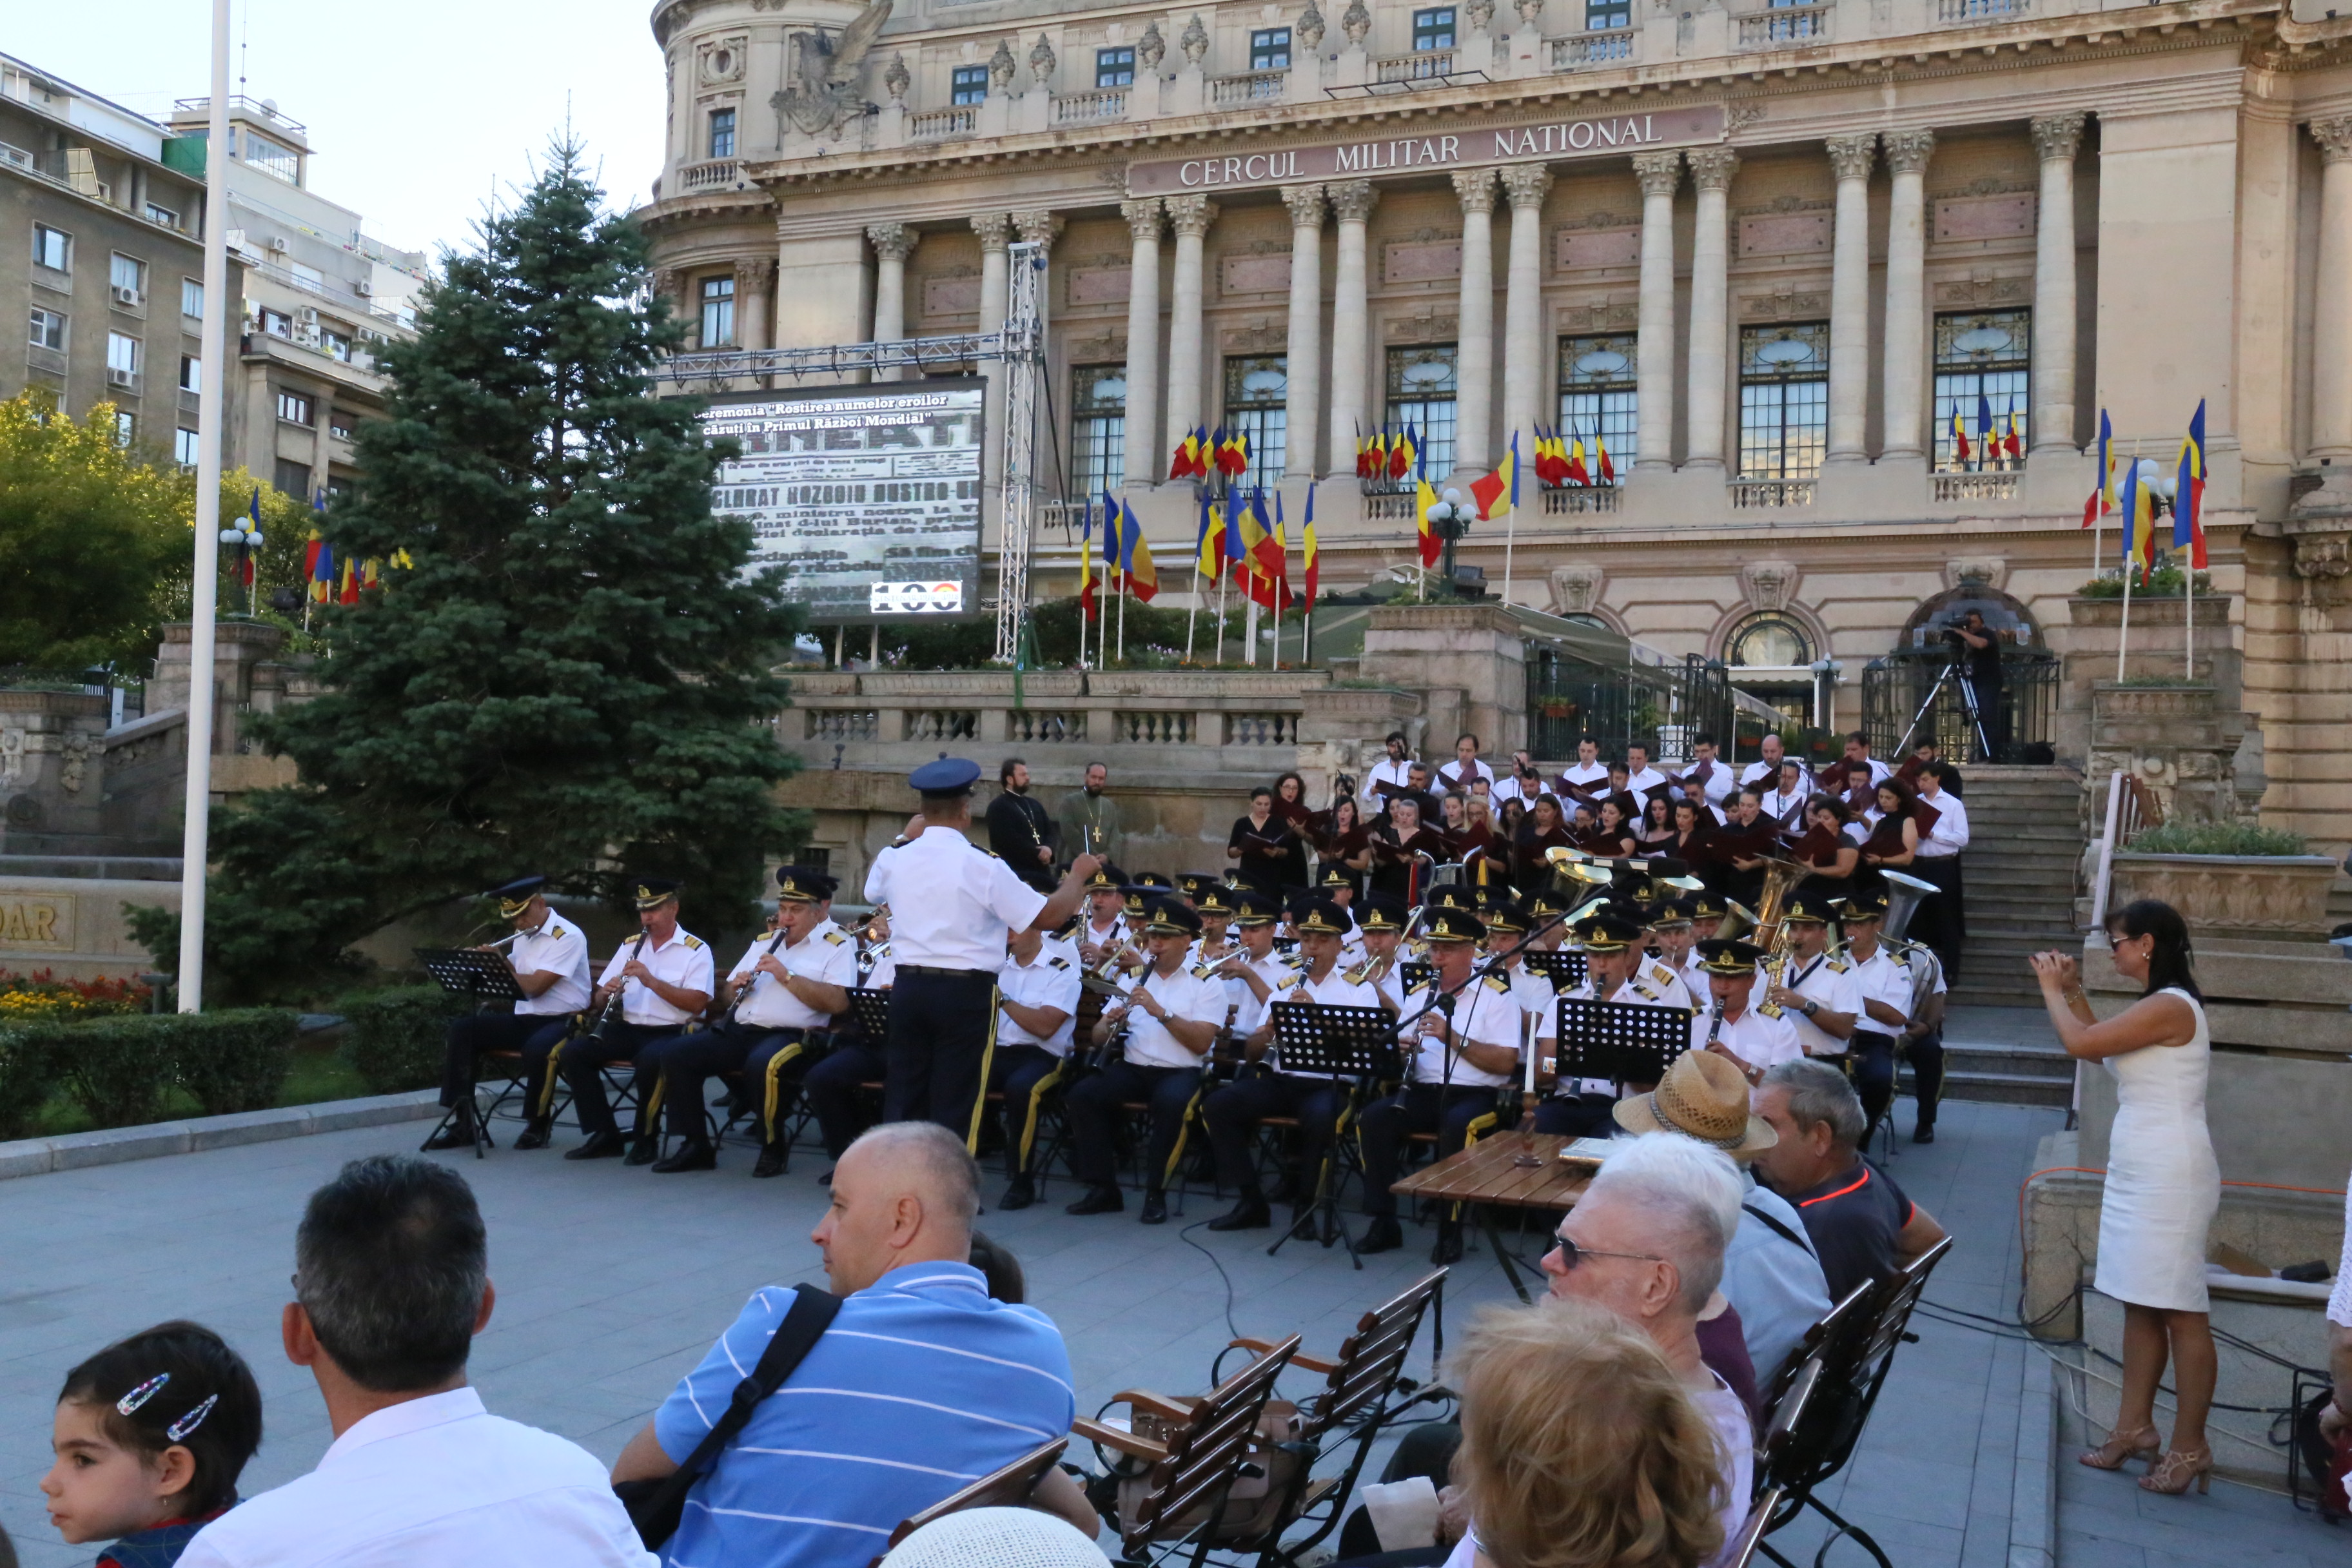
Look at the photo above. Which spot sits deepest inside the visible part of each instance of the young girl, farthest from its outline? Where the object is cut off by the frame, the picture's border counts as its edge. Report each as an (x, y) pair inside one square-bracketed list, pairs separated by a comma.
[(151, 1435)]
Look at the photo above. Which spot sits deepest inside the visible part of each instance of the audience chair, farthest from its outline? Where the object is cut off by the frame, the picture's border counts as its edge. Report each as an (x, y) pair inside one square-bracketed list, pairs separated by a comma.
[(1007, 1487)]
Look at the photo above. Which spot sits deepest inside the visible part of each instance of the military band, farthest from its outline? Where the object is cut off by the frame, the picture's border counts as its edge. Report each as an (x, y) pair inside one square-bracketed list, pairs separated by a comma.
[(652, 989), (548, 962)]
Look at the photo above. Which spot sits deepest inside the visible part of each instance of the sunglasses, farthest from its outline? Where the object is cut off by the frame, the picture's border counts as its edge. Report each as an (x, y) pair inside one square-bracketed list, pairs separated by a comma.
[(1570, 1254)]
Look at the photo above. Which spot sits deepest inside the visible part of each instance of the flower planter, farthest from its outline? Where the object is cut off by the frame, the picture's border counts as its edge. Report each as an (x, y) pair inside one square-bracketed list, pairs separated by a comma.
[(2272, 896)]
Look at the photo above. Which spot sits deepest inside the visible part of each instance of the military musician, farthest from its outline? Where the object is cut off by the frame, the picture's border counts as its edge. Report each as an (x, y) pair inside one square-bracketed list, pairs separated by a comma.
[(1731, 1027), (1615, 970), (1100, 933), (661, 982), (1883, 978), (1037, 1002), (1815, 987), (549, 960)]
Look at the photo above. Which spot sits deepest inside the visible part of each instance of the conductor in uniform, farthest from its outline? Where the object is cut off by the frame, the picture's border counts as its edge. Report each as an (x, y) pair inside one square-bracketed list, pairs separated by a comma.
[(663, 983), (952, 905), (548, 962)]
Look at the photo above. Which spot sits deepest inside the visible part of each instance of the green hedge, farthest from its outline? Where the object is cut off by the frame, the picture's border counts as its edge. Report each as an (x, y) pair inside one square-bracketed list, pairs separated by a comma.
[(122, 1070), (24, 1080), (2217, 839), (394, 1038)]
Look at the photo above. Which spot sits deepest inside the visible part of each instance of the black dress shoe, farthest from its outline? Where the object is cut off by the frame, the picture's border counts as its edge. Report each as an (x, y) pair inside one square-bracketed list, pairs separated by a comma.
[(1155, 1208), (1923, 1133), (1250, 1213), (1382, 1236), (772, 1159), (1103, 1198), (643, 1151), (535, 1136), (692, 1155), (1019, 1196), (600, 1146), (457, 1135), (1449, 1245)]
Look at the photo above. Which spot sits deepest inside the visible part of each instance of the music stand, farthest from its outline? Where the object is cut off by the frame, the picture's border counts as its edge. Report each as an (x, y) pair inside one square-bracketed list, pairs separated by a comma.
[(1622, 1041), (1564, 969), (480, 977), (871, 1011), (1415, 973), (1358, 1043)]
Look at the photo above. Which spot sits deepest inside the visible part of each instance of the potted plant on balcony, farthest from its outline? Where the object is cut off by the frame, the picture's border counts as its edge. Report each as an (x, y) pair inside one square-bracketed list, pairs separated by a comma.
[(2234, 879)]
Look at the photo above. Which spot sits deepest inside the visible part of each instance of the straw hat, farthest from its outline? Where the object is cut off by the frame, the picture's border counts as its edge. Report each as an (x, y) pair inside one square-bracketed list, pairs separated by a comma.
[(1702, 1096)]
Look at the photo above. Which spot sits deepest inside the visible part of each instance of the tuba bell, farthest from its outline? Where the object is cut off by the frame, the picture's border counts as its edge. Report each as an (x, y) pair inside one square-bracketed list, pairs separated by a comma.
[(1903, 895)]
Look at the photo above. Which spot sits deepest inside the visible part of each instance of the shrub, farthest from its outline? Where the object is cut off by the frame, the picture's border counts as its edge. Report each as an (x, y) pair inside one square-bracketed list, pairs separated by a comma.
[(26, 1080), (2164, 582), (394, 1038), (237, 1059), (121, 1070), (2216, 838)]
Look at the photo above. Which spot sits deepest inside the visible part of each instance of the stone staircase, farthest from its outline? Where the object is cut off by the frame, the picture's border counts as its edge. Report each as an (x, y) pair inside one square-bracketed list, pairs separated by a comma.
[(2025, 844), (2010, 1073)]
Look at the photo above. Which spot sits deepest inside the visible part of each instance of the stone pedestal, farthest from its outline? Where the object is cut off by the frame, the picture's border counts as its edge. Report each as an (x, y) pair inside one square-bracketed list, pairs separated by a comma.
[(239, 649), (2181, 741), (52, 752), (1469, 661)]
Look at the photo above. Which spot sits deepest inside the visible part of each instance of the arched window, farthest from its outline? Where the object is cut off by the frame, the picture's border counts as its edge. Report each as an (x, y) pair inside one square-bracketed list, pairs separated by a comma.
[(1768, 638)]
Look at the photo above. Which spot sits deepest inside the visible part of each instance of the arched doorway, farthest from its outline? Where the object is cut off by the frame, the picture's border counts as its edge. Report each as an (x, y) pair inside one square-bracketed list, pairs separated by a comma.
[(1770, 654)]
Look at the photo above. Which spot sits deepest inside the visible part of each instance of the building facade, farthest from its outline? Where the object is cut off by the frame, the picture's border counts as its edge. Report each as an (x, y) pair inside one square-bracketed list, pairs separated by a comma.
[(1786, 261)]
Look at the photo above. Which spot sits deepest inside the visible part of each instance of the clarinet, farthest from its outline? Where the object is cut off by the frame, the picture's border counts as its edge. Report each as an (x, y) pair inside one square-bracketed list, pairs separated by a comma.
[(1715, 1029), (744, 994), (608, 1018)]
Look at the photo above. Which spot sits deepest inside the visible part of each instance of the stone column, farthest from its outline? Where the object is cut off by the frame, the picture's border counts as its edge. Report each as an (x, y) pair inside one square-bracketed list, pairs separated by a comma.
[(1351, 205), (1712, 169), (2055, 137), (1474, 342), (1653, 380), (995, 231), (1303, 347), (755, 283), (893, 243), (1849, 159), (1905, 377), (2331, 326), (1526, 347), (1145, 462), (1191, 216)]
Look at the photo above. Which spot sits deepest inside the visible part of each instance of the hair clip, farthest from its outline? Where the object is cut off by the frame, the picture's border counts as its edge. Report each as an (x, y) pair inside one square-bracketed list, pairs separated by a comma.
[(142, 1395), (192, 1419)]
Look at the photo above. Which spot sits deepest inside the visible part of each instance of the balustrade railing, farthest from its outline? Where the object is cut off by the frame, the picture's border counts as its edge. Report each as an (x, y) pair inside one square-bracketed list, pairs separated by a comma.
[(1033, 726), (712, 175), (1246, 87), (1784, 25), (942, 724), (1080, 108), (1975, 487), (1582, 501), (1591, 49), (1261, 729), (1419, 65), (1950, 12), (843, 725), (941, 122), (1751, 495), (1160, 729)]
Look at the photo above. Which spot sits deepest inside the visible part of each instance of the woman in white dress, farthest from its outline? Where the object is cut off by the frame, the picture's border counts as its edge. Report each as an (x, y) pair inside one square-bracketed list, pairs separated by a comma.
[(2162, 1186)]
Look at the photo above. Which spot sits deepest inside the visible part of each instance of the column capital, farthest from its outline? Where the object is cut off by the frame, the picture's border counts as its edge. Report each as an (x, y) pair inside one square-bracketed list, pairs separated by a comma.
[(995, 230), (1659, 172), (1038, 227), (669, 281), (1712, 168), (755, 275), (892, 241), (1851, 156), (1908, 152), (1527, 184), (1191, 215), (2056, 136), (2334, 139), (1475, 187), (1144, 218), (1353, 201), (1306, 204)]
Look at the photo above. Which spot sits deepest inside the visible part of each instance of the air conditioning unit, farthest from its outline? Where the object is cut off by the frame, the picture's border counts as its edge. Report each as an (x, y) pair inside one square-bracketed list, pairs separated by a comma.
[(362, 288), (276, 244), (127, 379), (307, 315), (130, 296)]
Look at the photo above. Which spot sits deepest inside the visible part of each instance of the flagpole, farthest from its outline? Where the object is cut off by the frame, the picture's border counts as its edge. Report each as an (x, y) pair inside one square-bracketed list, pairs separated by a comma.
[(2188, 611), (1195, 608), (1510, 542), (1122, 618), (2122, 635), (1249, 626), (1221, 616)]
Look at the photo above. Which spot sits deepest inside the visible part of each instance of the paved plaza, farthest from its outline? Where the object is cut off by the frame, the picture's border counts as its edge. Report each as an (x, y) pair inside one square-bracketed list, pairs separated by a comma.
[(613, 1281)]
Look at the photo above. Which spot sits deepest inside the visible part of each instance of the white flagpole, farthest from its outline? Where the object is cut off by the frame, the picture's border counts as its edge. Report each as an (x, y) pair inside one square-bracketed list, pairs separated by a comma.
[(2188, 611), (2123, 633), (1249, 624), (1221, 610)]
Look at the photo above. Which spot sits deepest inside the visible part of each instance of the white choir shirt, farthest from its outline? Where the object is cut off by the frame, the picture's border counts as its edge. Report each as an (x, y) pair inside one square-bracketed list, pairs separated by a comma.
[(1387, 772), (826, 955), (1759, 771), (684, 961), (1638, 992), (1759, 1041), (435, 1480), (1484, 1015), (952, 902), (1585, 774), (1249, 1012), (1646, 783), (1448, 779), (1050, 980), (1884, 978), (556, 947), (1828, 980), (1717, 786), (1782, 808), (1334, 990), (1950, 834), (1511, 786), (1185, 996), (1879, 771)]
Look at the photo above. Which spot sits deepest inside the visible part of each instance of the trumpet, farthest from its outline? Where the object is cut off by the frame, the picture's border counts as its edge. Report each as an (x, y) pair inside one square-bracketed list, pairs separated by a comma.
[(864, 927), (1371, 971)]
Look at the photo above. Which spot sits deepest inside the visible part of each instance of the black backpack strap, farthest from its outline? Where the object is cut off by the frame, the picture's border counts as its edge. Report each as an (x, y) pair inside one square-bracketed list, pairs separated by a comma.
[(812, 1314), (1792, 1238)]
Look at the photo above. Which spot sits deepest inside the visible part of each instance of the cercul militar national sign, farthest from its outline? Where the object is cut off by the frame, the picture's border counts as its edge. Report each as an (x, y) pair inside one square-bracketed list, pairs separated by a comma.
[(1457, 147)]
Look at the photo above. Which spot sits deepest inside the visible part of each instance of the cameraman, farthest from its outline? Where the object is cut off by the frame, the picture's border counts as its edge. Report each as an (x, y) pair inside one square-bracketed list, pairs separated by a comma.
[(1977, 648)]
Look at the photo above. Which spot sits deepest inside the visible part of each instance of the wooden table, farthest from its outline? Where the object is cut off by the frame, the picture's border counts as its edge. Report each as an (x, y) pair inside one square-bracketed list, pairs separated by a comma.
[(1489, 1176)]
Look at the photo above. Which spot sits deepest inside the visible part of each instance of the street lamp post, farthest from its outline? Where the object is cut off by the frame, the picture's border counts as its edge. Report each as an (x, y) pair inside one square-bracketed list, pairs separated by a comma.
[(244, 536), (1450, 519)]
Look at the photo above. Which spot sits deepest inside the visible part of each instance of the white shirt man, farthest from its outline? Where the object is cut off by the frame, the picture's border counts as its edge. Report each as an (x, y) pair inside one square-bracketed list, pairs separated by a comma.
[(1783, 805), (1048, 980), (556, 947), (1709, 777), (1334, 990), (1858, 751), (1751, 1040), (1519, 782), (1388, 775), (1638, 992), (1766, 770), (1185, 996), (1885, 979), (951, 903), (1484, 1015), (1587, 777), (684, 961), (1827, 981), (1455, 777), (1642, 780), (825, 955), (1950, 834)]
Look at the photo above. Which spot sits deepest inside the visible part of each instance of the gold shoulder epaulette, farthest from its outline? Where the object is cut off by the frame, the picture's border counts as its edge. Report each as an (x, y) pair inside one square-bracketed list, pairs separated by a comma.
[(836, 937), (692, 943), (1058, 962), (1496, 983), (1840, 965)]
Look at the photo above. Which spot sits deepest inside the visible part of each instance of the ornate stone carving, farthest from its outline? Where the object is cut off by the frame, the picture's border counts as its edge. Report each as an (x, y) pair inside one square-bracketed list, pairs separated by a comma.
[(1712, 168), (1256, 338), (822, 73), (1356, 22), (1781, 307), (1306, 204), (1041, 60), (1000, 68), (1428, 328), (1980, 571), (755, 276), (1851, 156), (1038, 227), (2325, 561), (1739, 116), (2057, 136), (1309, 27), (1111, 347), (1150, 49), (1475, 187), (1769, 584), (893, 240), (1353, 201), (1144, 219), (1193, 41), (2334, 139), (1191, 215), (1530, 11), (995, 230), (1659, 172), (668, 281), (897, 78), (1908, 152), (1576, 590), (1527, 184), (1600, 316), (1481, 13)]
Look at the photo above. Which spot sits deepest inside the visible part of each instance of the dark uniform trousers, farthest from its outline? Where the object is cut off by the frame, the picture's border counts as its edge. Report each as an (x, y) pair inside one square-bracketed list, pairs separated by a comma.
[(1871, 1062), (1418, 1108), (1261, 1092), (1938, 921), (1092, 1110), (1578, 1115), (535, 1035), (580, 1062), (835, 1087), (1025, 1074), (938, 1053), (1926, 1056), (685, 1066)]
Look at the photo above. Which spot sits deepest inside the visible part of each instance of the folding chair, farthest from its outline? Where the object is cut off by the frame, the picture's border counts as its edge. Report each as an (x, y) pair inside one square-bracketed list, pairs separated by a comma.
[(1007, 1487)]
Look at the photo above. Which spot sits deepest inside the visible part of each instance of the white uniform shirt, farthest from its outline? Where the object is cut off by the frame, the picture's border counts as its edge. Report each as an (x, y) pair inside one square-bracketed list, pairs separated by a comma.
[(1249, 1011), (1534, 993), (1389, 775), (826, 954), (1639, 992), (1109, 936), (1782, 808), (1950, 834), (1185, 996), (1764, 773), (1646, 783), (1884, 978), (434, 1480), (1828, 980), (1484, 1015), (1333, 990), (556, 947), (1667, 980), (1754, 1039), (1051, 980), (1717, 786), (1584, 775), (1449, 779), (951, 903), (684, 961)]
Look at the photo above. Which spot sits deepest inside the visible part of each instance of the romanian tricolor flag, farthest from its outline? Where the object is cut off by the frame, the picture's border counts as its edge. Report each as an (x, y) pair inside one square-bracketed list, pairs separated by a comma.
[(322, 574), (2102, 499), (2138, 507), (1135, 565), (1262, 546), (1307, 540), (1404, 454), (1604, 471), (2013, 444), (1961, 450), (1504, 481), (1208, 544), (372, 574), (1986, 444), (1432, 547), (1086, 604), (1572, 468), (348, 584), (2189, 496), (1185, 462), (1232, 453)]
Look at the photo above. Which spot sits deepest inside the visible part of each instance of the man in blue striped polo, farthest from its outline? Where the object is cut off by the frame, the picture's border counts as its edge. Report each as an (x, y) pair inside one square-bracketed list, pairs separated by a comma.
[(921, 1385)]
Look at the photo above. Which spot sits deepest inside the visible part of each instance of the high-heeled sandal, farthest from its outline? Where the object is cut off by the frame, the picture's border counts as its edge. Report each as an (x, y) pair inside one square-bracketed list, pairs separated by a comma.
[(2119, 1447), (2171, 1474)]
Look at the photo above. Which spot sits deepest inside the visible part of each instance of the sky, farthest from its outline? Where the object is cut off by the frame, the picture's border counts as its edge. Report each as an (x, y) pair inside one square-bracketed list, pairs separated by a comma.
[(419, 115)]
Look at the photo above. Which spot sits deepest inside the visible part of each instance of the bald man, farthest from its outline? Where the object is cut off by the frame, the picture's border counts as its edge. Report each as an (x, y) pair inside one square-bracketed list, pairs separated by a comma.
[(916, 1326)]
